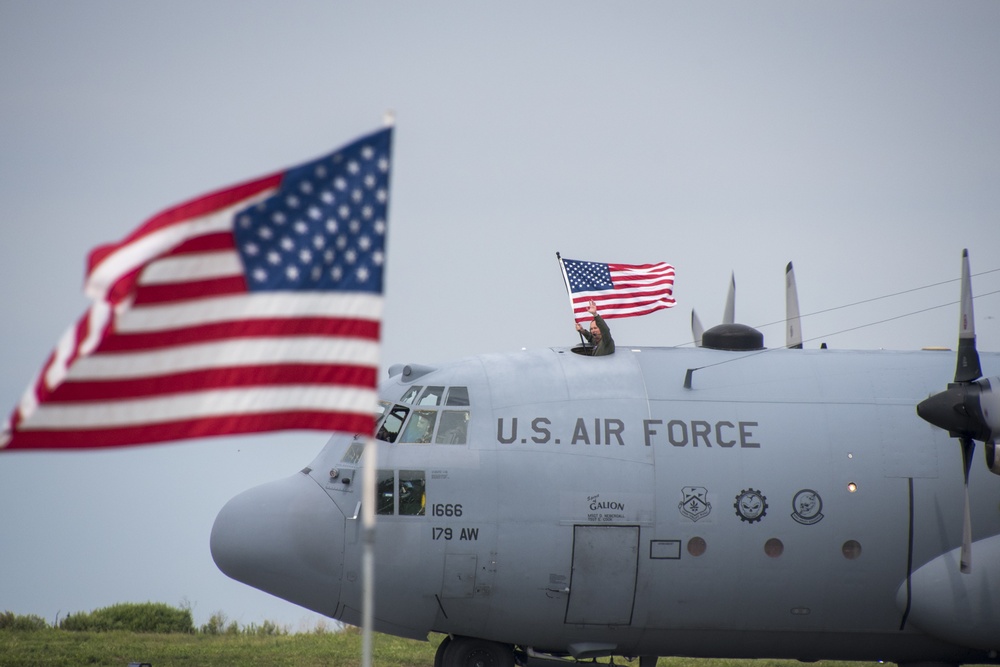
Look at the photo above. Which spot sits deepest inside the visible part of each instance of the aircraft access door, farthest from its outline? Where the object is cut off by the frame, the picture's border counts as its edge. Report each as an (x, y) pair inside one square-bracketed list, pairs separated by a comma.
[(602, 581)]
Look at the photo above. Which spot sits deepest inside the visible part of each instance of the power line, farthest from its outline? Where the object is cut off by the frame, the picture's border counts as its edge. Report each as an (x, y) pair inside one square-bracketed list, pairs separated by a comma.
[(888, 296), (897, 317)]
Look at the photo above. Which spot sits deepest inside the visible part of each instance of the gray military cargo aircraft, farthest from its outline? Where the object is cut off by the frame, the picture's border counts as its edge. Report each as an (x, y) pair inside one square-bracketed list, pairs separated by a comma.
[(541, 504)]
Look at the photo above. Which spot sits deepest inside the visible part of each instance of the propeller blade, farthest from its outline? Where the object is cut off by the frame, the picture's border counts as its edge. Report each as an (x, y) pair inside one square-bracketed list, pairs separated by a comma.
[(967, 409), (793, 330), (729, 316), (696, 329), (965, 563), (967, 368)]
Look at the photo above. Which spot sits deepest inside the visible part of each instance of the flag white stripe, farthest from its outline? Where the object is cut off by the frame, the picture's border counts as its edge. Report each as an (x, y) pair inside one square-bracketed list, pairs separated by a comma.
[(195, 405), (241, 307), (189, 268), (129, 257), (226, 354)]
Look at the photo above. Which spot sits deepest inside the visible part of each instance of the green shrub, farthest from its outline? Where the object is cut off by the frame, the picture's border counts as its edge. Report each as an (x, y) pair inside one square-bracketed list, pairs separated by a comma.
[(11, 621), (218, 624), (265, 629), (132, 617)]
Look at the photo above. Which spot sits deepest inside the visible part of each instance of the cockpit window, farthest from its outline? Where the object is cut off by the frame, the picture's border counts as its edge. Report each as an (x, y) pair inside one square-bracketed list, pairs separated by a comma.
[(432, 396), (392, 423), (412, 425), (411, 394), (454, 426), (458, 396), (420, 427), (383, 407)]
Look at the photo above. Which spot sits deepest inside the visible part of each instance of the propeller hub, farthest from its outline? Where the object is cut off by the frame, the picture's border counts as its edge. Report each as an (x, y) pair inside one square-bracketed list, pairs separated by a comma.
[(957, 410)]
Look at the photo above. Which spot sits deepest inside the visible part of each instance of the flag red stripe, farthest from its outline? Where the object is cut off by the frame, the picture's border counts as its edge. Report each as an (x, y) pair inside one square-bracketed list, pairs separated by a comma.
[(659, 266), (214, 378), (264, 328), (196, 289), (205, 243), (625, 311), (612, 300), (187, 429), (634, 313)]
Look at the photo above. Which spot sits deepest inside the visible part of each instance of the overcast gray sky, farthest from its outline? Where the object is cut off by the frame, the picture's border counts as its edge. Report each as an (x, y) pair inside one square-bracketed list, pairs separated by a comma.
[(859, 139)]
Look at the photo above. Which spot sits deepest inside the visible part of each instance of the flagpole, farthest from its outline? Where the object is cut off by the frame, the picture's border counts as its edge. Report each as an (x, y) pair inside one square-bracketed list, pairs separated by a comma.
[(368, 500), (569, 293), (368, 481)]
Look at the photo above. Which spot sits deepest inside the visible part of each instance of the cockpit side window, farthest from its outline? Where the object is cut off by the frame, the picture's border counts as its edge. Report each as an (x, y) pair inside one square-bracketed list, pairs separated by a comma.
[(420, 427), (392, 423)]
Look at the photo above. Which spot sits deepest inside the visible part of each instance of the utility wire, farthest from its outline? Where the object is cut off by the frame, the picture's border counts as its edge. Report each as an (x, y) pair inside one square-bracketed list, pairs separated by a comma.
[(887, 296), (687, 381), (897, 317)]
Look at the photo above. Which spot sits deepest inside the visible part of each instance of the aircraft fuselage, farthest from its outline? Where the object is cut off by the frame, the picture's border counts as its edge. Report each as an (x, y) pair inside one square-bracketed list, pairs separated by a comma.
[(782, 507)]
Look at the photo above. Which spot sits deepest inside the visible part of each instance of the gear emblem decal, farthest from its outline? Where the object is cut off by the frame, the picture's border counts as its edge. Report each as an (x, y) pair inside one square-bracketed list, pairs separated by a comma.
[(751, 505)]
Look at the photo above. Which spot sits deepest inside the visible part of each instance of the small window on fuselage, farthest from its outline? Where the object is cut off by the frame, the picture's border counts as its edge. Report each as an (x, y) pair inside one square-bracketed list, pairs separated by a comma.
[(385, 501), (412, 492)]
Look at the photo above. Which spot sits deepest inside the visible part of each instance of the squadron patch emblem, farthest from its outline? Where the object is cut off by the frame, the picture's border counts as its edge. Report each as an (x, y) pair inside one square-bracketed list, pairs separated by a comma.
[(694, 502), (751, 505), (808, 507)]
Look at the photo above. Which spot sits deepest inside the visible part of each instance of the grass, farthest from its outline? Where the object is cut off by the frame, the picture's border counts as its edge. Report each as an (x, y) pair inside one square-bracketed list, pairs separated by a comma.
[(60, 648)]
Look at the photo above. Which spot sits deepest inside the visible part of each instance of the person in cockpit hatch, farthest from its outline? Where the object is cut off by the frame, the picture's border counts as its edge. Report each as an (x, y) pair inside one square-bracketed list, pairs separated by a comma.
[(599, 335)]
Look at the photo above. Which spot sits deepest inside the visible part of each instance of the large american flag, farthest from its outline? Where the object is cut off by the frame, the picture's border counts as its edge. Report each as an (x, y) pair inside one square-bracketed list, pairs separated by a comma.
[(619, 290), (253, 308)]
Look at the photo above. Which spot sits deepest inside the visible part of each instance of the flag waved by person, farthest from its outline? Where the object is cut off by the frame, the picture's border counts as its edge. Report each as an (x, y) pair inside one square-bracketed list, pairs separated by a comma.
[(618, 290)]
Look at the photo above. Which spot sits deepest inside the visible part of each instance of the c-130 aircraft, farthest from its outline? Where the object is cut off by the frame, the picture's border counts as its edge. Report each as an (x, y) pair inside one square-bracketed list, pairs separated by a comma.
[(536, 505)]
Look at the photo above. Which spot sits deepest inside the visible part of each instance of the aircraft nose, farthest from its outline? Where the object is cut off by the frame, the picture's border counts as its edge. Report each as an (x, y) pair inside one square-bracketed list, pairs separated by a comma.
[(284, 538)]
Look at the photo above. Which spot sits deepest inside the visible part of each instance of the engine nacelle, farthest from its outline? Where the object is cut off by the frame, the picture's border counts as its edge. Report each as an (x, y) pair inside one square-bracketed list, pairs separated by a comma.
[(992, 460)]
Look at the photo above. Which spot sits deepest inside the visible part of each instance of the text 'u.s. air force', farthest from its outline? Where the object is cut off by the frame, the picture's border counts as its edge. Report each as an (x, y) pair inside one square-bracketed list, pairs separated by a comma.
[(610, 431)]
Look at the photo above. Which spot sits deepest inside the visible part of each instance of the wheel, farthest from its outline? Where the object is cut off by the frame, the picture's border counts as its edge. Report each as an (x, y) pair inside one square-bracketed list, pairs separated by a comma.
[(442, 647), (472, 652)]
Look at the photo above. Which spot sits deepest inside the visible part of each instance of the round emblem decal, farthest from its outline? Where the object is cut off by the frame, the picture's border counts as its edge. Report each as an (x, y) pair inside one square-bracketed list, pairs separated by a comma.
[(808, 507)]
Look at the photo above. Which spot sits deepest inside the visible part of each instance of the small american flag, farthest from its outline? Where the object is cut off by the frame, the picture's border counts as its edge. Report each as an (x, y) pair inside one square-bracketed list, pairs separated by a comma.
[(620, 290), (253, 308)]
